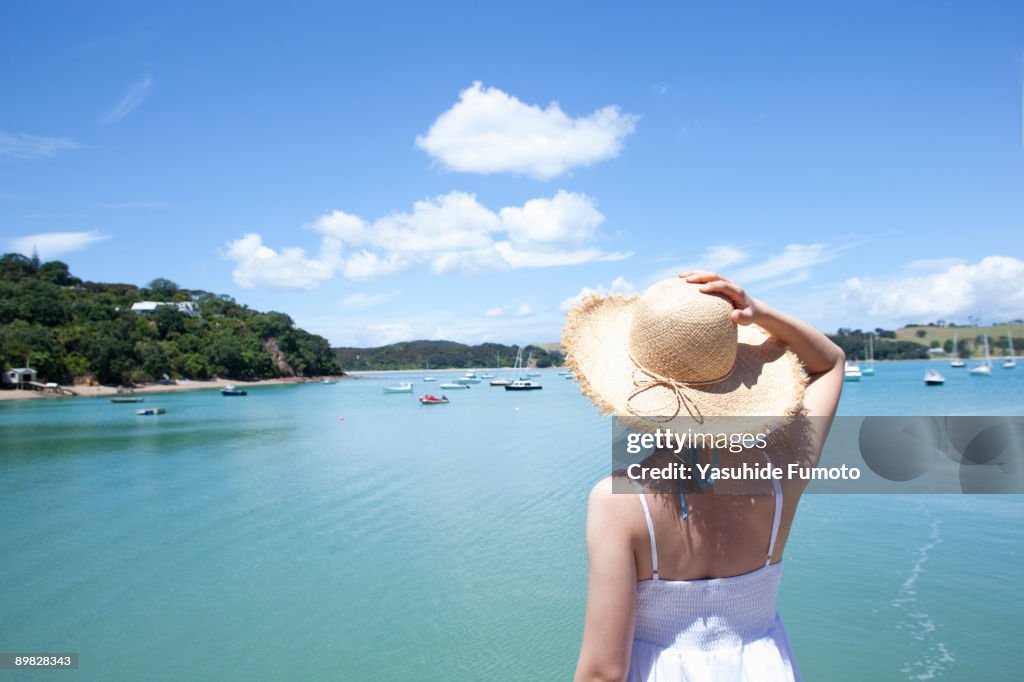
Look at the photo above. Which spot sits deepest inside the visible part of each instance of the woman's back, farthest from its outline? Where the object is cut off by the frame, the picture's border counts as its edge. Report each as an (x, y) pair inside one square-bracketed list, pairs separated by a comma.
[(690, 628)]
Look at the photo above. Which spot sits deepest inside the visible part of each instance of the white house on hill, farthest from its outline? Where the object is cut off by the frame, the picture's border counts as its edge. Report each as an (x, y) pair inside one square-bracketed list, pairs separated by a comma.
[(149, 307)]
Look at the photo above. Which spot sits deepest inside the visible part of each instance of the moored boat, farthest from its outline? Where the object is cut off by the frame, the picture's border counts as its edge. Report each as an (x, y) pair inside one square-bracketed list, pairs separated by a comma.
[(452, 387), (402, 387), (433, 400), (230, 390), (127, 400), (933, 378), (984, 368), (150, 411), (523, 385), (851, 372), (1010, 362), (956, 362)]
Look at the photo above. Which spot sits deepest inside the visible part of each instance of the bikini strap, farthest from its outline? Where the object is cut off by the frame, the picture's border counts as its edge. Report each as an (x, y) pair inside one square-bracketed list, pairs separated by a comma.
[(778, 515), (650, 531)]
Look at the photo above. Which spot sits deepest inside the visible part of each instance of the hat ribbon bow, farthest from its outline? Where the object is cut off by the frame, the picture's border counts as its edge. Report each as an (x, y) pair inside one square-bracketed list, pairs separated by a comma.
[(645, 379)]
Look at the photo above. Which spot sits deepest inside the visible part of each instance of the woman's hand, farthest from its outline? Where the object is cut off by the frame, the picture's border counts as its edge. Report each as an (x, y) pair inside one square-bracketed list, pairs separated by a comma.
[(746, 309)]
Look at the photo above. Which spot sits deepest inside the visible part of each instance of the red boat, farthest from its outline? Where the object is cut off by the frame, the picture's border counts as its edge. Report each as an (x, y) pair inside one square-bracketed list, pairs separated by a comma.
[(433, 400)]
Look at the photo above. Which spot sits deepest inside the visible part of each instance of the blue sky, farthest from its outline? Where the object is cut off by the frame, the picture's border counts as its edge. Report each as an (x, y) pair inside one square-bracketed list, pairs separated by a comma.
[(463, 171)]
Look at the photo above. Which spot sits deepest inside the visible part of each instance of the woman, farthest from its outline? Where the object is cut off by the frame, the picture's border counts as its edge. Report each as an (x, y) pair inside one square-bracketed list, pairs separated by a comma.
[(683, 586)]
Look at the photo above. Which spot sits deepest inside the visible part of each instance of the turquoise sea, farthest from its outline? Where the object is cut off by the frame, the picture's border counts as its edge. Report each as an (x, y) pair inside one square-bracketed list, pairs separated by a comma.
[(263, 538)]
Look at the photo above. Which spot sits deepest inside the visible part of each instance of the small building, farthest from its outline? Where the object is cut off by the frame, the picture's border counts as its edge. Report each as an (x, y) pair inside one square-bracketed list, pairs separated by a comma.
[(19, 377), (150, 307)]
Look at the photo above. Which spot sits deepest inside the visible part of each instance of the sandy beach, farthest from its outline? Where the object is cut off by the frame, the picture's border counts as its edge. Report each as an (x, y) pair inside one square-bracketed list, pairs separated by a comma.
[(101, 391)]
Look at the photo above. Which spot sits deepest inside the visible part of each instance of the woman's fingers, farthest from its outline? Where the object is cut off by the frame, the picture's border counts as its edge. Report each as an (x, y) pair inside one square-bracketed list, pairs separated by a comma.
[(732, 290)]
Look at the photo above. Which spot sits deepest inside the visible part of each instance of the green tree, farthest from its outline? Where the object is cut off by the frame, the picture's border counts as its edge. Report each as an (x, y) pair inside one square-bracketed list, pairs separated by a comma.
[(163, 288), (169, 320)]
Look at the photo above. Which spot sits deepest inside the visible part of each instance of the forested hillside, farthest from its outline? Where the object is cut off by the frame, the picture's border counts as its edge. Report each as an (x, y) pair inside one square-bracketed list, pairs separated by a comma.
[(72, 330), (440, 355)]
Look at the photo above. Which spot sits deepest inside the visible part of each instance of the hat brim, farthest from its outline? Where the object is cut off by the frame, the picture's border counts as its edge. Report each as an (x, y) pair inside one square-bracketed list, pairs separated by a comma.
[(766, 384)]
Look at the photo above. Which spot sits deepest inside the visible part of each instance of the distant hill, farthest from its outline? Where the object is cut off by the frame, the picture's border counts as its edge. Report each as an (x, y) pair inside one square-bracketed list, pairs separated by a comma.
[(968, 338), (440, 355), (70, 330)]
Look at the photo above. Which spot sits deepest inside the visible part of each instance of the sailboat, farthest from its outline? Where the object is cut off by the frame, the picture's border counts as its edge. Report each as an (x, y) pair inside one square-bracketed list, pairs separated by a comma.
[(527, 367), (985, 368), (869, 369), (957, 362), (933, 378), (506, 382), (1010, 362), (852, 371)]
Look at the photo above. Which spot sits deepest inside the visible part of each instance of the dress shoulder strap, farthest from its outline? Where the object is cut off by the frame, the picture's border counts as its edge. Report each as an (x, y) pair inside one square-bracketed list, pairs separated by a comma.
[(650, 532), (778, 516)]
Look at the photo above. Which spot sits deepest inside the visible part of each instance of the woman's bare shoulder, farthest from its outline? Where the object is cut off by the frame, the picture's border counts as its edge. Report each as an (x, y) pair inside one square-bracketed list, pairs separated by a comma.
[(614, 503)]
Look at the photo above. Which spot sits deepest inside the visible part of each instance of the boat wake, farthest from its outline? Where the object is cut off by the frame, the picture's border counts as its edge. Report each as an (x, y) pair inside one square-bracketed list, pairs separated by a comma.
[(935, 656)]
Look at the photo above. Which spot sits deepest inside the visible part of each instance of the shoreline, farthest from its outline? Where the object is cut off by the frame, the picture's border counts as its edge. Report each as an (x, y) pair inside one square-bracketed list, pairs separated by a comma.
[(149, 389)]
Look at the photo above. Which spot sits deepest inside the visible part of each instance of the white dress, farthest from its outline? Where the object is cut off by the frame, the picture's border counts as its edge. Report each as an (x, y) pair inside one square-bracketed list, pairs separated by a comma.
[(722, 629)]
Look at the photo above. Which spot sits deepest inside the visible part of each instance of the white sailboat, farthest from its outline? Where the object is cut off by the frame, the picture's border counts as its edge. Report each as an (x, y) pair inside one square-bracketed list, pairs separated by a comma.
[(1010, 362), (933, 378), (515, 368), (984, 369), (869, 369), (957, 362)]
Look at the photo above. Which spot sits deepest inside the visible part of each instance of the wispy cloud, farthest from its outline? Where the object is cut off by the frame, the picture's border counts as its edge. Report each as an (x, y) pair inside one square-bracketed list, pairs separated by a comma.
[(25, 146), (130, 101), (53, 244), (794, 259), (490, 131), (522, 310), (140, 205), (618, 287), (361, 301)]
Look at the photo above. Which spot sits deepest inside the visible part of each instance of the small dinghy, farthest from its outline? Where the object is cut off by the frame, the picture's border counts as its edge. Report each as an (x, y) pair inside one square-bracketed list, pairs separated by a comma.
[(433, 400)]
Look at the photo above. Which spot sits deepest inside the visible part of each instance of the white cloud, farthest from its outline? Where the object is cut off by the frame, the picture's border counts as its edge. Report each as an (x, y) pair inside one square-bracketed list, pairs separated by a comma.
[(524, 310), (494, 312), (449, 233), (619, 286), (361, 301), (260, 266), (992, 289), (565, 221), (23, 146), (53, 244), (489, 131), (131, 99)]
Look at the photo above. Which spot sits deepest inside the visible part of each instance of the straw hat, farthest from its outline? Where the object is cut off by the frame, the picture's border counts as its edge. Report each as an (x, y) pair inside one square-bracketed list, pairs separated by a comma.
[(674, 354)]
